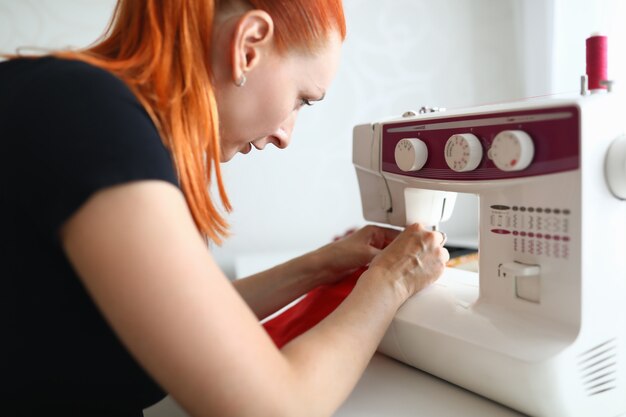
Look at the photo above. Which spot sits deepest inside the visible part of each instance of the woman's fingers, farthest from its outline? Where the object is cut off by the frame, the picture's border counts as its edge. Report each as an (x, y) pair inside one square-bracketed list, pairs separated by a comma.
[(415, 238), (389, 234), (445, 255), (377, 236), (415, 242), (444, 238), (437, 238)]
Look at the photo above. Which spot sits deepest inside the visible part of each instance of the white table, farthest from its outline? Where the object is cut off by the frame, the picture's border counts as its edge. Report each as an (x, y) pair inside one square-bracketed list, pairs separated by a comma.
[(390, 388)]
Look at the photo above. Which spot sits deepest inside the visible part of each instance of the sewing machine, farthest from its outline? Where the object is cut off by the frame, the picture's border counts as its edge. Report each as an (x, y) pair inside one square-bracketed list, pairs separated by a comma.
[(542, 327)]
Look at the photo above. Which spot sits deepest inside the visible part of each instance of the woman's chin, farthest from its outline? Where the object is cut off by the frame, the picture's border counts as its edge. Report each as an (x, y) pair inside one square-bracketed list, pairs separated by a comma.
[(226, 156)]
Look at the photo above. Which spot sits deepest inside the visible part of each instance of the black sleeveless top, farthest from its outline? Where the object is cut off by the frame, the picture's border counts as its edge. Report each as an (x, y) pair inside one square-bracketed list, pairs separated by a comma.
[(67, 130)]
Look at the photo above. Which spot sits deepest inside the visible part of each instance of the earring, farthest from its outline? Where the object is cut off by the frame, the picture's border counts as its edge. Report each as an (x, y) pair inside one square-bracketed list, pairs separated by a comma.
[(241, 81)]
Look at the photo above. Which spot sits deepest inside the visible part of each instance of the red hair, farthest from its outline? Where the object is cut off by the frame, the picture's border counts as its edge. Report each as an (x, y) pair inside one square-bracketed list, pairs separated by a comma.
[(161, 49), (304, 24)]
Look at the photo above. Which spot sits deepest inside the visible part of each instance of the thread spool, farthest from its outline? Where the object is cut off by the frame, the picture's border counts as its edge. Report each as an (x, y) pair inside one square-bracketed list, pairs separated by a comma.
[(597, 61)]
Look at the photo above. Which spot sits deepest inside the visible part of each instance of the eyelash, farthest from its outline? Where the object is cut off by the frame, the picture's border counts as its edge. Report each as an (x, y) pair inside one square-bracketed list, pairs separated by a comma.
[(306, 102)]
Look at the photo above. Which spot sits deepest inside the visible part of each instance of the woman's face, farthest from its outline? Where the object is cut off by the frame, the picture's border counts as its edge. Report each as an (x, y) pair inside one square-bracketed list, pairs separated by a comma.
[(263, 111)]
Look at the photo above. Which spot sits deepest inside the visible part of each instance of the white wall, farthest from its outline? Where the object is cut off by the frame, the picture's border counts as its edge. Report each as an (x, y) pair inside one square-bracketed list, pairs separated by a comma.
[(52, 23)]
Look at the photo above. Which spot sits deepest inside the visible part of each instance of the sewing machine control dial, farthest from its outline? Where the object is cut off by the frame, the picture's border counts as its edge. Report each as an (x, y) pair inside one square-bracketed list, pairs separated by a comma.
[(512, 150), (463, 152), (411, 154)]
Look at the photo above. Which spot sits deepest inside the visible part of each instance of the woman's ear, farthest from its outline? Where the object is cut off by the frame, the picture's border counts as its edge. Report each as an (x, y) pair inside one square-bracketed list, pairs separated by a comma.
[(252, 39)]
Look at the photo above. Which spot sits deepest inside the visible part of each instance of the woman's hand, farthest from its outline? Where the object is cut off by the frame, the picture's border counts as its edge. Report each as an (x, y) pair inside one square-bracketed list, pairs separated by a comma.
[(268, 291), (415, 259), (354, 250)]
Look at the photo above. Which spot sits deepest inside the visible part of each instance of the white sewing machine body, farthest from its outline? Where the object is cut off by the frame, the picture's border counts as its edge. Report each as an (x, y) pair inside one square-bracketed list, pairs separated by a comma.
[(543, 330)]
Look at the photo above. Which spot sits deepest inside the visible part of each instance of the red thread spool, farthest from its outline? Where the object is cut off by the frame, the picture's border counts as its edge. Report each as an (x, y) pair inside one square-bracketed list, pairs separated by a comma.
[(597, 61)]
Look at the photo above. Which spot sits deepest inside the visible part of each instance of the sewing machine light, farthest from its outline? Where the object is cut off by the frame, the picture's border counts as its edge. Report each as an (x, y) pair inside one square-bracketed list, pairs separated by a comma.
[(512, 150), (428, 207)]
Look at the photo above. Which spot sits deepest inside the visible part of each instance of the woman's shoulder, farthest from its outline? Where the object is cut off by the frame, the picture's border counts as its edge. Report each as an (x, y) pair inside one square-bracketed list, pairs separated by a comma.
[(51, 68), (58, 79), (72, 109), (74, 129)]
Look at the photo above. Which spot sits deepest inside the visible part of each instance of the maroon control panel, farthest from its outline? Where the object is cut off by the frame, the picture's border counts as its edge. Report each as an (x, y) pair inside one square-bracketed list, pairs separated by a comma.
[(555, 133)]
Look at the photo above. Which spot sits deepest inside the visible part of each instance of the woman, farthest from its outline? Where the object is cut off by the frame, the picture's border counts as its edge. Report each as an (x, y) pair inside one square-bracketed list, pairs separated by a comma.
[(111, 296)]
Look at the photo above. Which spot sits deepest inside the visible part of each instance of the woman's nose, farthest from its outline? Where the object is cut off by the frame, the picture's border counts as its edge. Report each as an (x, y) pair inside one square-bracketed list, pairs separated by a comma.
[(280, 138)]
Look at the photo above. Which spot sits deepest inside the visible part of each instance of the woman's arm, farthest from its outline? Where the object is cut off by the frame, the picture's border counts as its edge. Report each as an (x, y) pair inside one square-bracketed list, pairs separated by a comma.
[(268, 291), (140, 257)]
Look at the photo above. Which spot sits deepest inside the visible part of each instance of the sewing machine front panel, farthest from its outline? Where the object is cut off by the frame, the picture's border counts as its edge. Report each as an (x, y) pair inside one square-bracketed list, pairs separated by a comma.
[(555, 133)]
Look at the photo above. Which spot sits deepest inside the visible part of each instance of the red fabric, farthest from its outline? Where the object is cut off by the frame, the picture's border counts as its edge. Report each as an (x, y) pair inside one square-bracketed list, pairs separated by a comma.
[(312, 309)]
